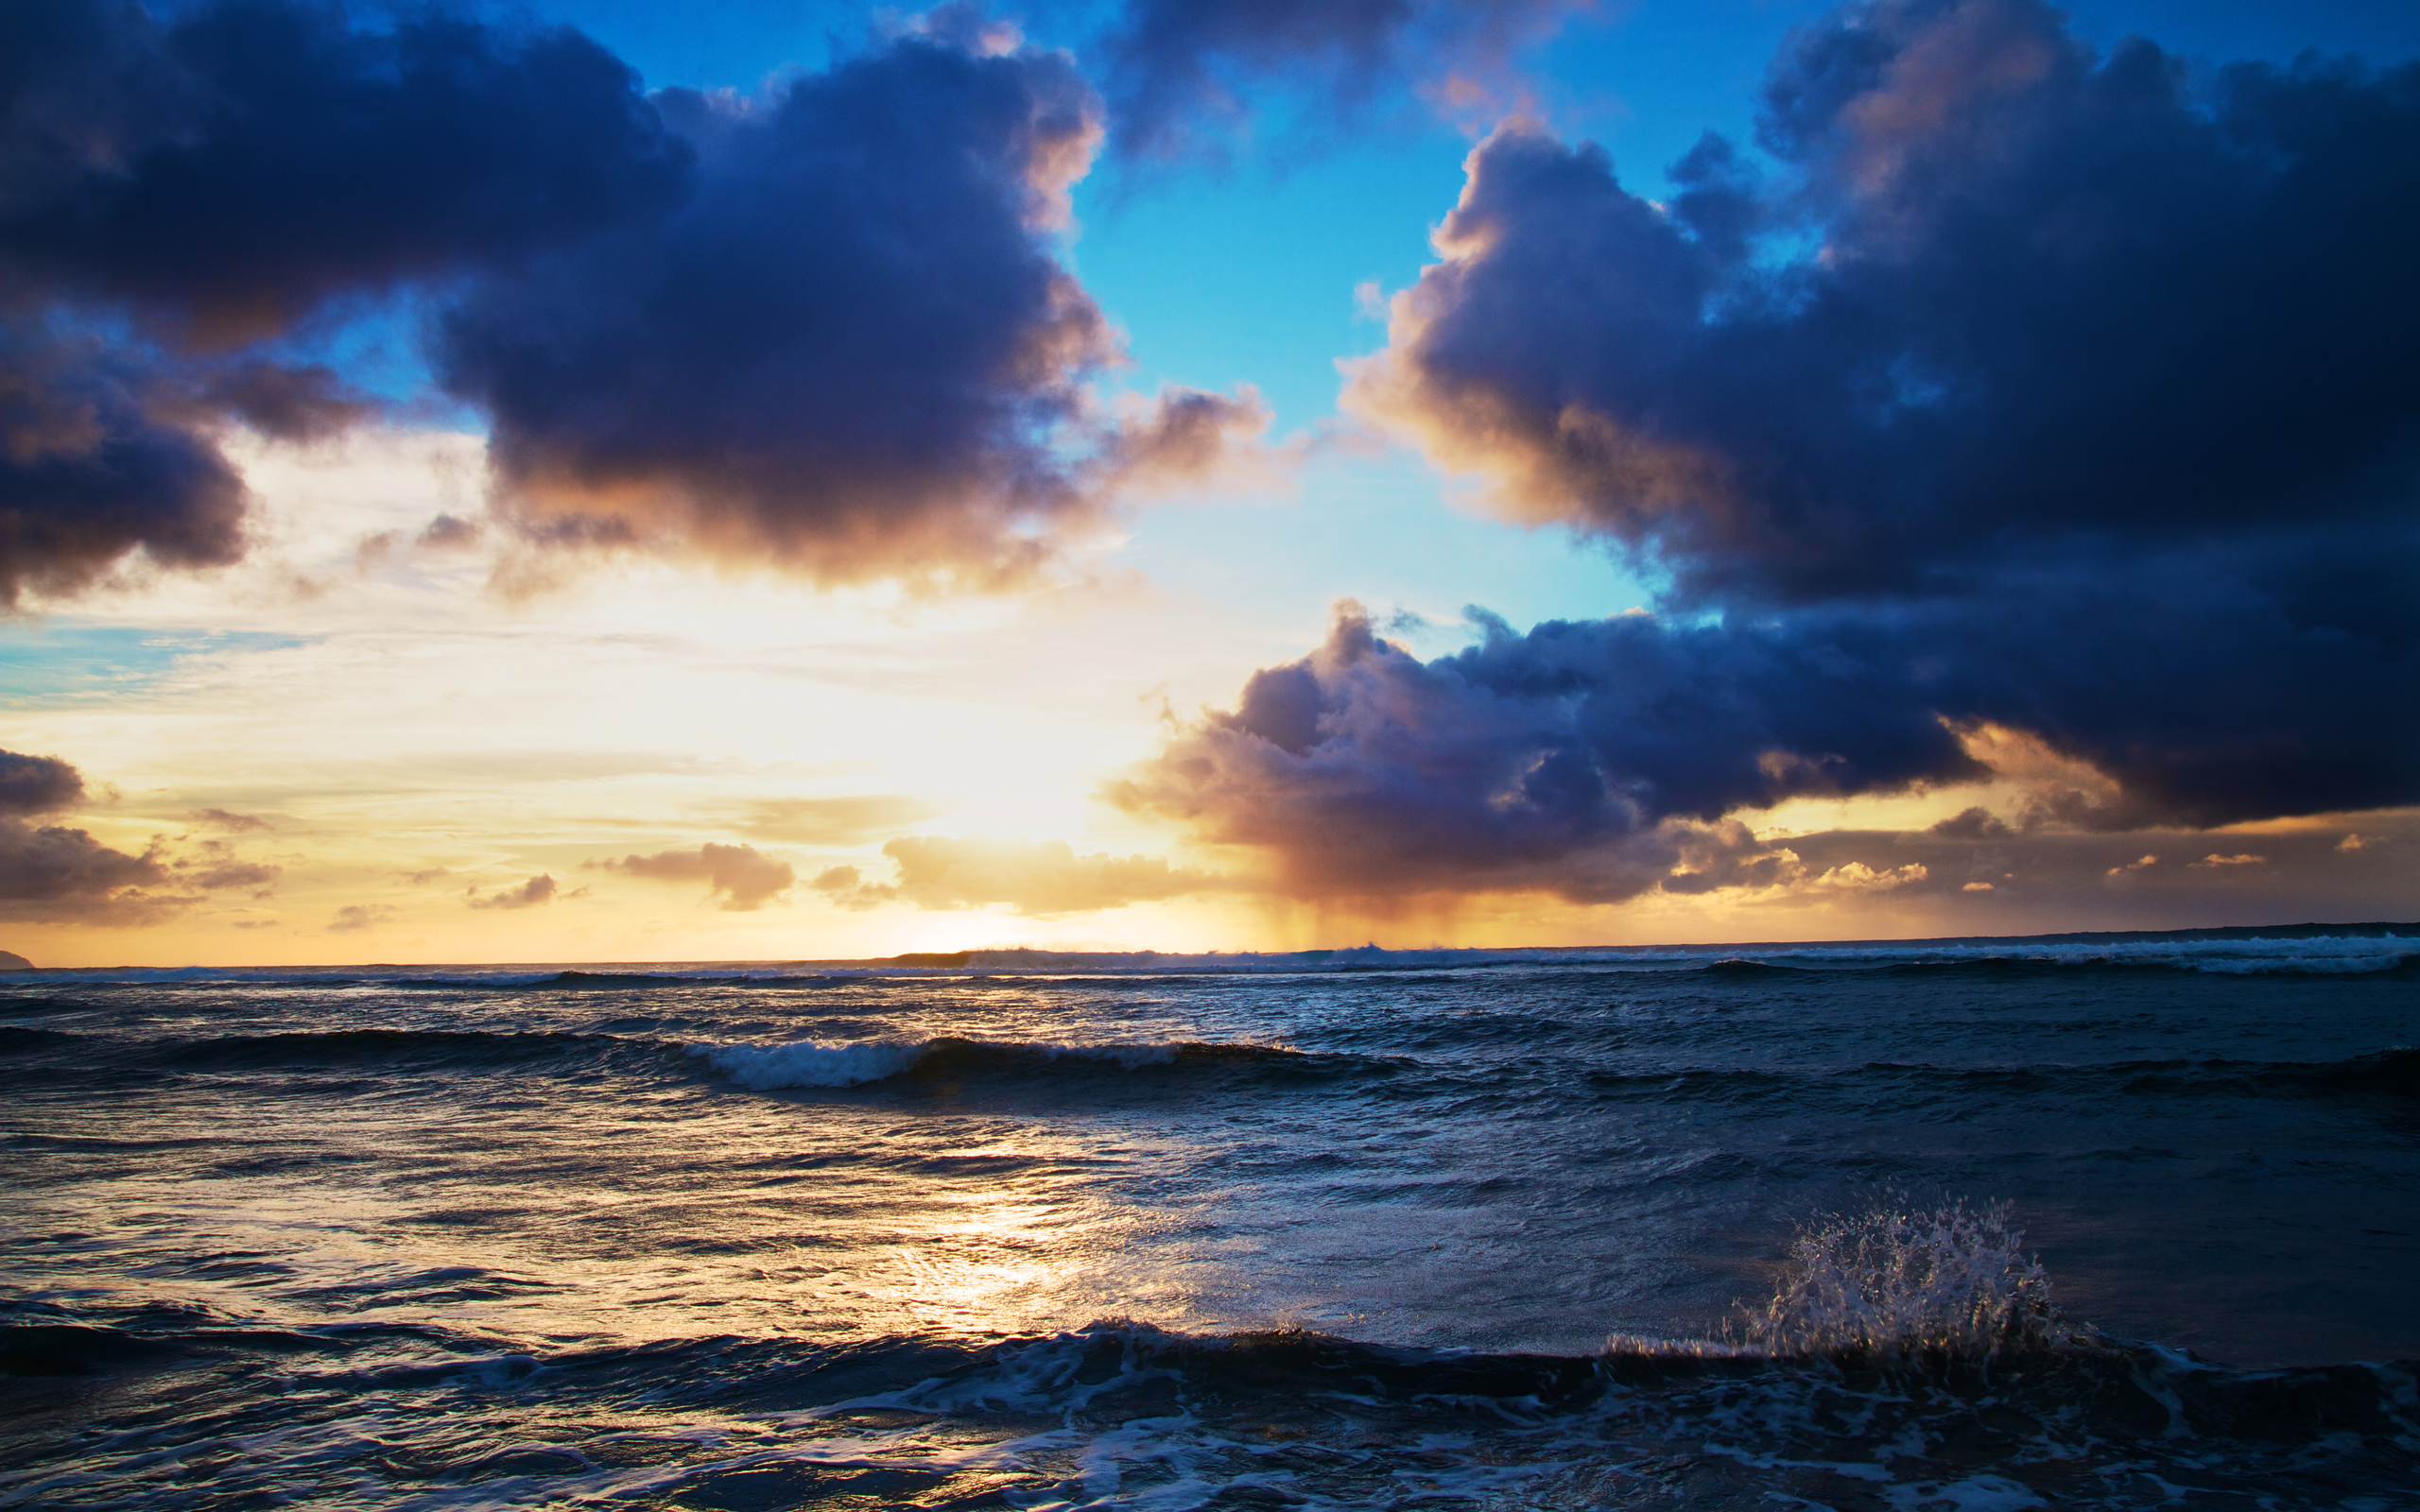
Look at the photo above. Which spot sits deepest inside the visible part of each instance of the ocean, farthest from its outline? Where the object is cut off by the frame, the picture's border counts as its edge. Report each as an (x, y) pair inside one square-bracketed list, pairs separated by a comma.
[(2085, 1221)]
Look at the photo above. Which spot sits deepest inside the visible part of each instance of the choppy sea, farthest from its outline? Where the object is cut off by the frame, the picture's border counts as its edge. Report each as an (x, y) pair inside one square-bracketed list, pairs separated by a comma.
[(2122, 1221)]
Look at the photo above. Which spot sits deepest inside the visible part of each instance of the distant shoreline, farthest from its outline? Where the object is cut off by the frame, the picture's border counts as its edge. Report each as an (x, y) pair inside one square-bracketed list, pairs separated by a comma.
[(1031, 957)]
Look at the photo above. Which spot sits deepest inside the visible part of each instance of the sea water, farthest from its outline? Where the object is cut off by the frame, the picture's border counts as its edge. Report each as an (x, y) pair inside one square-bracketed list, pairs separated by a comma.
[(1967, 1225)]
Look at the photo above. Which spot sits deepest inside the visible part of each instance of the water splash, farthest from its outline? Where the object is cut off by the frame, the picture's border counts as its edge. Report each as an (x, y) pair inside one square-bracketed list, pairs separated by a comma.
[(1952, 1283)]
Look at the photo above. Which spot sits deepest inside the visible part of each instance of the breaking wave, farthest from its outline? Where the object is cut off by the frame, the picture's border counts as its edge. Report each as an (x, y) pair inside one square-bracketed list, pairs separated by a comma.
[(1123, 1414)]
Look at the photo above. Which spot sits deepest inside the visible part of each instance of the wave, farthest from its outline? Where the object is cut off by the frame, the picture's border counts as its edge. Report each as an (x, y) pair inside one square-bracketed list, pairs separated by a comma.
[(1123, 1414), (17, 1040), (2394, 1072), (808, 1063), (796, 1065), (1740, 969), (371, 1047)]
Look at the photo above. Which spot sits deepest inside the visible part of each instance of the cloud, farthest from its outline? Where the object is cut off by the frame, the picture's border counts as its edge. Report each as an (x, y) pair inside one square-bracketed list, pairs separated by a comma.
[(57, 875), (744, 878), (823, 329), (1998, 299), (214, 865), (1590, 760), (37, 784), (229, 168), (51, 873), (95, 464), (1597, 760), (54, 874), (1184, 77), (228, 819), (353, 919), (836, 821), (447, 533), (2016, 404), (1188, 437), (535, 893), (1856, 876), (221, 175), (1974, 824), (1032, 877), (851, 353)]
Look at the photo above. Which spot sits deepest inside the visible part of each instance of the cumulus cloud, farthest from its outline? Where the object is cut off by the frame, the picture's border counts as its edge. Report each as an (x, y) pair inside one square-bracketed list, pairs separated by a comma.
[(1033, 877), (220, 174), (744, 878), (94, 464), (535, 893), (1184, 74), (850, 353), (1597, 760), (1590, 760), (1995, 297), (822, 329), (2013, 408)]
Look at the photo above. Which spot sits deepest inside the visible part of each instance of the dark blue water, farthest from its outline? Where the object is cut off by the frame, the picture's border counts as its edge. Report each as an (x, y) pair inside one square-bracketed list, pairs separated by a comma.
[(1346, 1230)]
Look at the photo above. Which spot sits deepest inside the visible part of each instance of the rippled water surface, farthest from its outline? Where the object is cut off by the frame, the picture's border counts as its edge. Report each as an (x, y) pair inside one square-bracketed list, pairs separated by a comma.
[(1073, 1232)]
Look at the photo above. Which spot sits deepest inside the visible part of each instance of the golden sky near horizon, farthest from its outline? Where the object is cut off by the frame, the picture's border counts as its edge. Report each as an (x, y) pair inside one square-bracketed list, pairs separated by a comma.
[(408, 746)]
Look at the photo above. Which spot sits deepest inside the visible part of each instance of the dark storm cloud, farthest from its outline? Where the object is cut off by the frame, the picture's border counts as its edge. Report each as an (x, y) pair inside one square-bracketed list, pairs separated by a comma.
[(1997, 298), (1589, 759), (2014, 388), (217, 173), (1600, 759), (851, 353), (743, 877), (228, 168), (1181, 75), (823, 329), (95, 465)]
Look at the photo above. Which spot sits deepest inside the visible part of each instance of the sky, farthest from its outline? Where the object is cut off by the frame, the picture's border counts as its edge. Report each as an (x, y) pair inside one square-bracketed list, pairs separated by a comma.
[(616, 481)]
